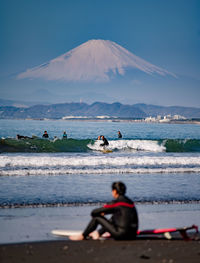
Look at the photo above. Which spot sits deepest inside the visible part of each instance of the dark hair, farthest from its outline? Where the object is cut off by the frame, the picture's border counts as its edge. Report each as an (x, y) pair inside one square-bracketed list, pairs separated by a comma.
[(119, 187)]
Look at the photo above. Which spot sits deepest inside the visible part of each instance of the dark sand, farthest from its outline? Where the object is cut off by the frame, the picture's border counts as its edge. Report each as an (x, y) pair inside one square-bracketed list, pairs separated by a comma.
[(164, 251)]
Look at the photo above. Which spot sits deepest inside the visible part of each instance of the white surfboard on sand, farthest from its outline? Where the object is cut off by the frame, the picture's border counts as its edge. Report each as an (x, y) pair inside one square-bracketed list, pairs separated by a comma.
[(66, 233)]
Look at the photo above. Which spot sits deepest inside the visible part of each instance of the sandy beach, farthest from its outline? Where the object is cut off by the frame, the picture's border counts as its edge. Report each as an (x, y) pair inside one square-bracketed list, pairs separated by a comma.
[(26, 237), (102, 251), (24, 225)]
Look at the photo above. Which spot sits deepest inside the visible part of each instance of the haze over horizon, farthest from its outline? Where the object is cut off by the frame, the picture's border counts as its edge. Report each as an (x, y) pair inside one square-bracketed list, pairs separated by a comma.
[(145, 51)]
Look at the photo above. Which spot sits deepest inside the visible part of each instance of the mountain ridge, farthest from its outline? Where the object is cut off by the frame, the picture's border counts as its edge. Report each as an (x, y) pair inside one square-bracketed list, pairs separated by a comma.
[(58, 111)]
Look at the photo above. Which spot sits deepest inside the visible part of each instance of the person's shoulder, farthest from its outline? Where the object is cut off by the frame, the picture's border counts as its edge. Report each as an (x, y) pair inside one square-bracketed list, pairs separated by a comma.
[(126, 199)]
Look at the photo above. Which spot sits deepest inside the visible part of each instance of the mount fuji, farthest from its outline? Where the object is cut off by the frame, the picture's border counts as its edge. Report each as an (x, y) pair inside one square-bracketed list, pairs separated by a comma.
[(93, 61)]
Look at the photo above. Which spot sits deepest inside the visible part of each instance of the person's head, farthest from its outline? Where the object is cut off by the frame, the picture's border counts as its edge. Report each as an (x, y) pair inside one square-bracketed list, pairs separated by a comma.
[(102, 137), (45, 131), (64, 132), (118, 188)]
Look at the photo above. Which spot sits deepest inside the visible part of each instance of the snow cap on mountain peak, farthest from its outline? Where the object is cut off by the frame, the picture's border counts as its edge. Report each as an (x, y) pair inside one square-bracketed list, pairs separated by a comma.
[(95, 60)]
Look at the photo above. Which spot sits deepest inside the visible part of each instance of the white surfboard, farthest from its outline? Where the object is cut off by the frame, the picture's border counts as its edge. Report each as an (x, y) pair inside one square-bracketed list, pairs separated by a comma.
[(66, 233)]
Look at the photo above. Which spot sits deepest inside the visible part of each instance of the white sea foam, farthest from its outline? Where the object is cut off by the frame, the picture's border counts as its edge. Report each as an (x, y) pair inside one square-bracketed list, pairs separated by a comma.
[(52, 165), (51, 172), (131, 145), (64, 161)]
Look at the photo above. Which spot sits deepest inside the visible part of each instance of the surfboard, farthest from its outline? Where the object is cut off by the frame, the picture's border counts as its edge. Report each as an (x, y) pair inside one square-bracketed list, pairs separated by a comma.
[(165, 232), (106, 151), (66, 233)]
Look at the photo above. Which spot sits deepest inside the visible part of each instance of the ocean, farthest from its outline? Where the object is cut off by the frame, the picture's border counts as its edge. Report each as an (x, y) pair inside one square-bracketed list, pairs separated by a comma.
[(158, 162)]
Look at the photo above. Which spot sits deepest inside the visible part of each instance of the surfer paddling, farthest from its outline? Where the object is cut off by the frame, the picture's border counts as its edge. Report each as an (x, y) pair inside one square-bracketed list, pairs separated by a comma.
[(123, 224)]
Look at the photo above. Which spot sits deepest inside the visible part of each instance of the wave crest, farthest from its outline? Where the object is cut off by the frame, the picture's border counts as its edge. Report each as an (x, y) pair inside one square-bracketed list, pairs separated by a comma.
[(74, 145)]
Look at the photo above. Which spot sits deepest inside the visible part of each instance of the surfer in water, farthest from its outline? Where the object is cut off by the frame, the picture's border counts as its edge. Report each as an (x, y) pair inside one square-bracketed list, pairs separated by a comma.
[(105, 141), (64, 135), (45, 135), (19, 137), (123, 224), (119, 135)]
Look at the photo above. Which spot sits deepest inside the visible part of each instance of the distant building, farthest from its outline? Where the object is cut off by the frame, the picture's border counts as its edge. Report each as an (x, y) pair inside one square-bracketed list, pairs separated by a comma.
[(150, 119), (74, 117), (102, 117), (166, 118), (178, 117)]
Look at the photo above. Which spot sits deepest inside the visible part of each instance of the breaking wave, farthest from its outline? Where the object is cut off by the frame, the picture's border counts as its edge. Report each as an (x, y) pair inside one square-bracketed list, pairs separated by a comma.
[(15, 165), (73, 145)]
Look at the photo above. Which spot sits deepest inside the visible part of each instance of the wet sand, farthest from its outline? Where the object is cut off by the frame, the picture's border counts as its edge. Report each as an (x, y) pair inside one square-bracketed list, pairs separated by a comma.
[(165, 251), (35, 224)]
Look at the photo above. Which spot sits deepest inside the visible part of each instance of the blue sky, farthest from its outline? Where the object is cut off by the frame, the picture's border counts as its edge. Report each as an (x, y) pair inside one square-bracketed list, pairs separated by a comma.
[(165, 33)]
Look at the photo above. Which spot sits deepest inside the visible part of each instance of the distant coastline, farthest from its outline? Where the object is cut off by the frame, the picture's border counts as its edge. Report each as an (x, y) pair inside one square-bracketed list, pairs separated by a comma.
[(186, 121), (100, 111)]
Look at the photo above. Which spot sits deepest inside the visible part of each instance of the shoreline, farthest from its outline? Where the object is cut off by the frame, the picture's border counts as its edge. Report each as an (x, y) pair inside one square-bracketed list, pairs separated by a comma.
[(187, 121), (35, 224), (92, 204)]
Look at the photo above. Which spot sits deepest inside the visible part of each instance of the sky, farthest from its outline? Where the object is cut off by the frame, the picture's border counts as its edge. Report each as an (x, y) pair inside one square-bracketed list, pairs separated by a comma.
[(164, 33)]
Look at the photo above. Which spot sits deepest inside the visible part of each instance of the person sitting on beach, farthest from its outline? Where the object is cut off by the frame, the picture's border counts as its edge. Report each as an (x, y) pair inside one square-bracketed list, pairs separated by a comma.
[(123, 224), (105, 141), (45, 135), (119, 135), (64, 135)]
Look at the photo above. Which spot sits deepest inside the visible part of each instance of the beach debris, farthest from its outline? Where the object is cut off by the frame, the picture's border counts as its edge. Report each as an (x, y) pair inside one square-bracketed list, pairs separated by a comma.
[(65, 248), (144, 257)]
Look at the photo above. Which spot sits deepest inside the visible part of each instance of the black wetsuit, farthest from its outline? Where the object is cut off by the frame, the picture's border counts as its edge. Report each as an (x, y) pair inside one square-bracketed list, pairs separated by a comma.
[(22, 137), (123, 224), (119, 135), (45, 135), (105, 142)]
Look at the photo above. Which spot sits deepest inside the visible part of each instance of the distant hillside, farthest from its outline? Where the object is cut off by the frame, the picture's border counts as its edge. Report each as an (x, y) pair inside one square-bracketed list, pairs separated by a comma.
[(153, 110), (16, 103), (58, 111)]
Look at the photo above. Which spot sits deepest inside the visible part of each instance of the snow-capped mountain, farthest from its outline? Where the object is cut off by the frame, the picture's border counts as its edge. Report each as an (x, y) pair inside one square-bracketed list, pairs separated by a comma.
[(94, 60)]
